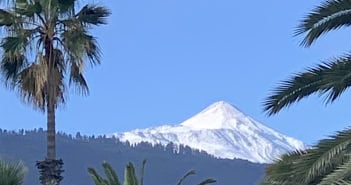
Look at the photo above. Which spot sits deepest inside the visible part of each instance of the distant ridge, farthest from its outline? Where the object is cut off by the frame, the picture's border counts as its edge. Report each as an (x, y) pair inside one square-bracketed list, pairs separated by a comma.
[(164, 166), (221, 130)]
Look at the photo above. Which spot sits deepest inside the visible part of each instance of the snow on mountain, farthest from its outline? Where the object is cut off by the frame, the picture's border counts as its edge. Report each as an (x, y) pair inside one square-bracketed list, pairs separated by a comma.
[(223, 131)]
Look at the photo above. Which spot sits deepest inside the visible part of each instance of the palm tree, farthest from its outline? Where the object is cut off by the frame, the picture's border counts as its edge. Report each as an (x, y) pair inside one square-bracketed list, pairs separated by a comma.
[(46, 46), (331, 77), (11, 173), (130, 177)]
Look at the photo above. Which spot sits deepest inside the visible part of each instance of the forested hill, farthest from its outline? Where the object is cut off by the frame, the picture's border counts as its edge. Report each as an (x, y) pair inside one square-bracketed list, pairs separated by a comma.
[(164, 167)]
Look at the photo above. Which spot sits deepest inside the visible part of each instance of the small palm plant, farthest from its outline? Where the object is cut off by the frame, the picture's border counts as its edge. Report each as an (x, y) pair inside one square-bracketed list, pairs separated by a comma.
[(11, 173), (130, 177)]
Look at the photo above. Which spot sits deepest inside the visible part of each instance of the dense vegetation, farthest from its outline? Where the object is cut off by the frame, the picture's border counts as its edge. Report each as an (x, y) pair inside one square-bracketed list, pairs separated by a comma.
[(81, 152)]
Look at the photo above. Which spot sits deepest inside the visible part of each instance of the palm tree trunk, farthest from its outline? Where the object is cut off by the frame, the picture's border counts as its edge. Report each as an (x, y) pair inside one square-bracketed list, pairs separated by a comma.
[(51, 132), (50, 169), (51, 142)]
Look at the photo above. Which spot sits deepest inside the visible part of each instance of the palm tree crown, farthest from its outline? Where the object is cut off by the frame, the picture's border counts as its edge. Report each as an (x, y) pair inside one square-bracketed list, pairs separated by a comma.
[(45, 40)]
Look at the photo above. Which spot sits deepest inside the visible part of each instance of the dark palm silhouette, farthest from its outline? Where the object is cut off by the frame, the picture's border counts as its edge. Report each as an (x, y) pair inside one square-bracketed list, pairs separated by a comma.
[(46, 46)]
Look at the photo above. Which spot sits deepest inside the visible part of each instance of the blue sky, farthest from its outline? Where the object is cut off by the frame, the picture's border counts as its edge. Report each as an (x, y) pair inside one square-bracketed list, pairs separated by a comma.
[(166, 60)]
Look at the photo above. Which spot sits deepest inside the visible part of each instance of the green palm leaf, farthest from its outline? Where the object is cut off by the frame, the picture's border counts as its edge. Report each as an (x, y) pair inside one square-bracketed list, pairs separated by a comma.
[(330, 15), (76, 77), (283, 172), (98, 180), (130, 177), (92, 14), (6, 18), (111, 175), (29, 9), (80, 45), (326, 156), (207, 181), (11, 173), (342, 172), (326, 163), (342, 182), (142, 175), (189, 173), (11, 66), (331, 78), (14, 44)]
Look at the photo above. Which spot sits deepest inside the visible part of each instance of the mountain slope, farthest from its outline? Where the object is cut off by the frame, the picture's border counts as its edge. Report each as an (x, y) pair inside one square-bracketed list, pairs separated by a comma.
[(223, 131), (164, 167)]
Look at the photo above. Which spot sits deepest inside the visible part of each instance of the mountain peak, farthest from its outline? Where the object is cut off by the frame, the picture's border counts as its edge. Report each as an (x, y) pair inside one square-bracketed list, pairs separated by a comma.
[(221, 130), (219, 115), (221, 107)]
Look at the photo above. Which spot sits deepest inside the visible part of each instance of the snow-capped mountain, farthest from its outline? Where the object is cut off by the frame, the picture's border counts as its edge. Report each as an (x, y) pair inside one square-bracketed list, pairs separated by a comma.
[(223, 131)]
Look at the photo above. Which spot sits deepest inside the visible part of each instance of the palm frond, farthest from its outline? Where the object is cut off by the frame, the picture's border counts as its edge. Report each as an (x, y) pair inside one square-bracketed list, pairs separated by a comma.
[(33, 80), (93, 15), (77, 79), (80, 46), (14, 44), (111, 174), (11, 66), (338, 77), (326, 163), (327, 155), (66, 6), (312, 166), (342, 172), (7, 18), (49, 8), (142, 175), (189, 173), (98, 180), (294, 89), (207, 181), (21, 41), (282, 171), (12, 173), (330, 15), (130, 177), (330, 78), (29, 9), (342, 182)]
